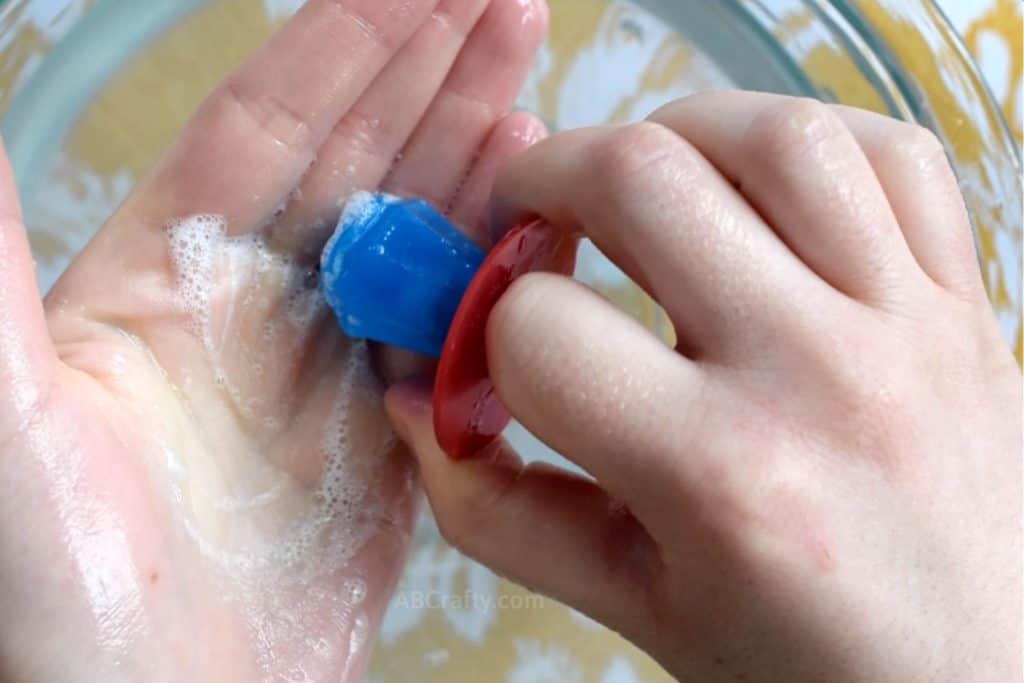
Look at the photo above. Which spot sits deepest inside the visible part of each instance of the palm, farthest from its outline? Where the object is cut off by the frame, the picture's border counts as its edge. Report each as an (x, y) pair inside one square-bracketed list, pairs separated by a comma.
[(203, 481)]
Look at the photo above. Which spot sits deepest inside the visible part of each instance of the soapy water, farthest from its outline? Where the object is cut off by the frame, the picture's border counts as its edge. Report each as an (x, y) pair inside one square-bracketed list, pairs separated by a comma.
[(196, 244), (206, 259), (355, 210), (283, 529)]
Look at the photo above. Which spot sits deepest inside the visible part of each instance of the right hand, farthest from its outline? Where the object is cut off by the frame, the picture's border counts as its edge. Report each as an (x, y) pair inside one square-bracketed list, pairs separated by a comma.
[(822, 481)]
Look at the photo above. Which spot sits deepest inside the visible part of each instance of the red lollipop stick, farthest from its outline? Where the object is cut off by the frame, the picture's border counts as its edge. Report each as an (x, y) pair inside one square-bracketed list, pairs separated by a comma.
[(468, 414)]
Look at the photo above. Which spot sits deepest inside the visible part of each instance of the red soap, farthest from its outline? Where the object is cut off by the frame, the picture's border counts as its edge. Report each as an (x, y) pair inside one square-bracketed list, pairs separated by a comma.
[(468, 414)]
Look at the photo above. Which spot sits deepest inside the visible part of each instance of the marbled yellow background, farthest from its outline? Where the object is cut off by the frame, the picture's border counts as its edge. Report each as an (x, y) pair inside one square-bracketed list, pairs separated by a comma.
[(523, 640)]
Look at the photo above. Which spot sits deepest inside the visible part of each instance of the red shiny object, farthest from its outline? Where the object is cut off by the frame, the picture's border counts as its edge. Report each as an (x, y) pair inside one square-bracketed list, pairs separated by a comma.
[(468, 414)]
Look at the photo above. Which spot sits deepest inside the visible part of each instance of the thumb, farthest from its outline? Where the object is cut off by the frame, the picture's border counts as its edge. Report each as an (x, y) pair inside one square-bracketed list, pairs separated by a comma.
[(545, 528), (26, 354)]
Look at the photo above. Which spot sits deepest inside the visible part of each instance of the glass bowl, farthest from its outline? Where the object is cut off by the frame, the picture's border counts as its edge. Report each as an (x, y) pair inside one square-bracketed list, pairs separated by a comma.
[(91, 91)]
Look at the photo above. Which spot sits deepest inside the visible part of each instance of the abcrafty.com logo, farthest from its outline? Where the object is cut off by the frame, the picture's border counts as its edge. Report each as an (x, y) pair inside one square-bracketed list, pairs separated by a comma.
[(467, 600)]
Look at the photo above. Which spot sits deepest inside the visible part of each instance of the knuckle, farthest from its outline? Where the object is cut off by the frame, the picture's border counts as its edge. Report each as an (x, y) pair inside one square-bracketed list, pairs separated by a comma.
[(620, 160), (668, 111), (794, 128), (787, 507), (360, 133), (919, 147), (922, 141), (468, 518), (695, 414), (877, 417), (370, 27), (630, 148), (271, 115)]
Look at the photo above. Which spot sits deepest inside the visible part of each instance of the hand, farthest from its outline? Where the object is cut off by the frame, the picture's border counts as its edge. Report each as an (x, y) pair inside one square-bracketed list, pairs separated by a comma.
[(198, 482), (822, 481)]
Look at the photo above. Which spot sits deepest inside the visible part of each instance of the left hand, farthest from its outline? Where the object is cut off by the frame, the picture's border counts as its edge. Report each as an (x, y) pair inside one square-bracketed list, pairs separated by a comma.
[(168, 416)]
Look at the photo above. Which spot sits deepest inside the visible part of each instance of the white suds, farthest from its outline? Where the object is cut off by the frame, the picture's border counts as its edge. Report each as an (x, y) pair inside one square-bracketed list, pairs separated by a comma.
[(280, 532), (355, 591), (193, 247), (358, 208), (339, 515), (361, 205), (341, 506), (221, 282), (211, 267)]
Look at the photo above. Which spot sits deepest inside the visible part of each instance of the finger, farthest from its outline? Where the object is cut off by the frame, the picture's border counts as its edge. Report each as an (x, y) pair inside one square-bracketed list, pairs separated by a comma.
[(662, 213), (594, 385), (26, 353), (362, 147), (549, 530), (512, 135), (800, 166), (252, 140), (482, 85), (911, 164)]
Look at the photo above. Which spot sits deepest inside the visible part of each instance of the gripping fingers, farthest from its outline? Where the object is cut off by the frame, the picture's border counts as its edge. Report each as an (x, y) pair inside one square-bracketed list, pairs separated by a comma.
[(550, 530), (509, 137), (657, 208), (796, 161), (907, 159), (596, 386)]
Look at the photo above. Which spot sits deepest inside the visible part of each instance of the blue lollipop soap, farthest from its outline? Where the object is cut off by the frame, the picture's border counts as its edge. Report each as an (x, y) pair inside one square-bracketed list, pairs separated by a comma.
[(395, 272)]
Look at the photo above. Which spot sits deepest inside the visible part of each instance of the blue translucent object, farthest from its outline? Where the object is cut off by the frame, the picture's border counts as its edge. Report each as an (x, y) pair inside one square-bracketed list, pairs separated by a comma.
[(395, 271)]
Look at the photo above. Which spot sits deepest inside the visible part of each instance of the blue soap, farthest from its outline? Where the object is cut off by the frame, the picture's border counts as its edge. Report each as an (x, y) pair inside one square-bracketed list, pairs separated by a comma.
[(395, 271)]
